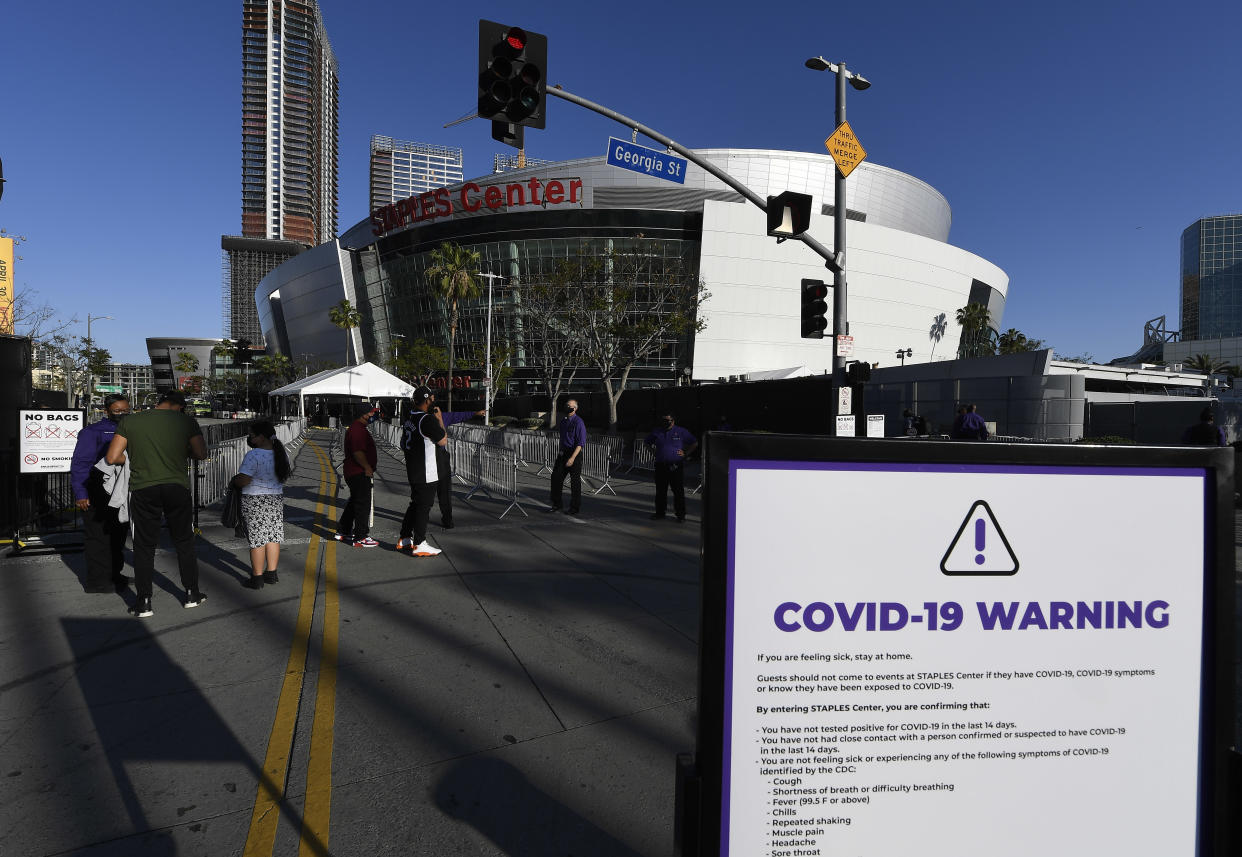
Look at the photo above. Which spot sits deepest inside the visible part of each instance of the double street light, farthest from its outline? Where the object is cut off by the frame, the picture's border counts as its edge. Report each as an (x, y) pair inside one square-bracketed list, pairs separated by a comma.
[(903, 353)]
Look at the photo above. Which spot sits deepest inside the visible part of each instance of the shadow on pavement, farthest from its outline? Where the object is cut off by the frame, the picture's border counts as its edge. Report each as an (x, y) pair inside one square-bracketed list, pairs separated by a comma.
[(495, 799)]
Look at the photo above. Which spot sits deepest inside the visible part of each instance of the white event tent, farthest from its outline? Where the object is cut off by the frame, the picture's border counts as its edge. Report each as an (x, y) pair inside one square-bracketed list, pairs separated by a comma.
[(365, 380)]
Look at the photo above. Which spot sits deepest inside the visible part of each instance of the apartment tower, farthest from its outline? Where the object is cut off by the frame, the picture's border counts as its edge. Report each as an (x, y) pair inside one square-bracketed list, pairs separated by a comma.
[(400, 169), (290, 92)]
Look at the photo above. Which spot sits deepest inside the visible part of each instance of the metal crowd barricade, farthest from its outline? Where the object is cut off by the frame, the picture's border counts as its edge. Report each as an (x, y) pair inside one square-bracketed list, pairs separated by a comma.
[(464, 456), (643, 457), (551, 449), (210, 478), (498, 476), (597, 465)]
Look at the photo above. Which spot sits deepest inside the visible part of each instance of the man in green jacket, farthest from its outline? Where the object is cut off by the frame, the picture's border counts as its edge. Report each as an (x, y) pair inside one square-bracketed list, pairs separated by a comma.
[(157, 443)]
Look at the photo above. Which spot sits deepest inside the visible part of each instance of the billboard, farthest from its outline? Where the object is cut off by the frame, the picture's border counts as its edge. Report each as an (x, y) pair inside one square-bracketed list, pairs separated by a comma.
[(6, 286), (909, 646)]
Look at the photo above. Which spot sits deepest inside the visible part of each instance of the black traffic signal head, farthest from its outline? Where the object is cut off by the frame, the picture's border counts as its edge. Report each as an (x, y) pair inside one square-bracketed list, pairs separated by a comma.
[(513, 71), (814, 309), (858, 372), (789, 214)]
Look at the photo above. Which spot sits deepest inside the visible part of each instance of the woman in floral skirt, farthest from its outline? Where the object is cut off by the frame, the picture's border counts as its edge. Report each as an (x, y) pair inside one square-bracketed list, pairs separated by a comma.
[(263, 473)]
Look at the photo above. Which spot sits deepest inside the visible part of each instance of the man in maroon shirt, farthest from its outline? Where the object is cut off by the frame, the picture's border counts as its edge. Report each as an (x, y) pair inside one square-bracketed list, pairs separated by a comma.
[(359, 467)]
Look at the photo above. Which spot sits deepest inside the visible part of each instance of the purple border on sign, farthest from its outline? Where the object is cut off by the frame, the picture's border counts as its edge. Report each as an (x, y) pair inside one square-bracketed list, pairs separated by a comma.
[(854, 466)]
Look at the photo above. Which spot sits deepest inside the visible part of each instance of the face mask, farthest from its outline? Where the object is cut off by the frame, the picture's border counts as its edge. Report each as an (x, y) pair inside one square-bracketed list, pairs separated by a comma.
[(372, 417)]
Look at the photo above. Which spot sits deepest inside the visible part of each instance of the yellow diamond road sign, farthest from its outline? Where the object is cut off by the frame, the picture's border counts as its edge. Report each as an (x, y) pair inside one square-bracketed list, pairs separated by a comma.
[(845, 149)]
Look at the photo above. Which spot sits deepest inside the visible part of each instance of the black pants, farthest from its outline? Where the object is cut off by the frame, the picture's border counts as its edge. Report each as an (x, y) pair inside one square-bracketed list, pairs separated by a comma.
[(575, 480), (105, 539), (146, 505), (444, 493), (414, 524), (670, 476), (356, 518)]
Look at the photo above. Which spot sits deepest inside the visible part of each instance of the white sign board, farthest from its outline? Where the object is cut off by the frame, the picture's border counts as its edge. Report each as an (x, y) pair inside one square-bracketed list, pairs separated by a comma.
[(846, 426), (875, 425), (845, 346), (942, 672), (845, 400), (46, 439)]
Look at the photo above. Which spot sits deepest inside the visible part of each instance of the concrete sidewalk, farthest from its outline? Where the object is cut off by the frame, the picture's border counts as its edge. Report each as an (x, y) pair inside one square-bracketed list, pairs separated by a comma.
[(524, 693)]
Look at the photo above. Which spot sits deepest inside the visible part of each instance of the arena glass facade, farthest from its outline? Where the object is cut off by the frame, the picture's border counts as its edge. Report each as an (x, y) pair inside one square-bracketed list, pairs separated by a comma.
[(902, 273)]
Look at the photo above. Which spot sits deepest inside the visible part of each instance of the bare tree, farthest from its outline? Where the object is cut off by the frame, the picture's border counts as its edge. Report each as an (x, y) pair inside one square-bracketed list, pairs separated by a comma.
[(35, 319), (630, 305), (547, 310)]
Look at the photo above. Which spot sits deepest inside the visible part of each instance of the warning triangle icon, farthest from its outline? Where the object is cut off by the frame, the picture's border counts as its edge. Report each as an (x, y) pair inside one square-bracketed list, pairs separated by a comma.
[(980, 546)]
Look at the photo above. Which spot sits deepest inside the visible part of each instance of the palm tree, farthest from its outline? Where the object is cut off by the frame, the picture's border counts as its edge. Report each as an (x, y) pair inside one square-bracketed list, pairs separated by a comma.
[(939, 324), (345, 316), (453, 270), (187, 364), (1206, 364), (977, 331)]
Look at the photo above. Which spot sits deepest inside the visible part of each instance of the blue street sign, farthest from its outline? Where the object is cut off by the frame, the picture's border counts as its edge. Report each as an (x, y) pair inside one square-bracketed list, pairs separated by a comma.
[(649, 162)]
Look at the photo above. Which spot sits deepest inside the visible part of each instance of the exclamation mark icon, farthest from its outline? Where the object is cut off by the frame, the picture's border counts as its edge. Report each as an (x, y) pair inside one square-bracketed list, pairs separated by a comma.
[(979, 546)]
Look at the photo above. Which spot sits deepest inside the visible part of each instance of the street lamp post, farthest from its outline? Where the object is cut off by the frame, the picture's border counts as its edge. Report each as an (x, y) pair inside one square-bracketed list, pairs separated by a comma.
[(487, 348), (90, 344), (840, 296), (903, 353)]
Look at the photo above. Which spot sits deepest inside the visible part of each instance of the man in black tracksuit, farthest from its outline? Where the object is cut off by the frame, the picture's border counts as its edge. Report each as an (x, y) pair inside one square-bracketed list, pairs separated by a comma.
[(421, 434)]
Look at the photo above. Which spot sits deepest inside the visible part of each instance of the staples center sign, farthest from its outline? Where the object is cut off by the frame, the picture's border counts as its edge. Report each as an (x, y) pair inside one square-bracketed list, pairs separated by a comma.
[(472, 197)]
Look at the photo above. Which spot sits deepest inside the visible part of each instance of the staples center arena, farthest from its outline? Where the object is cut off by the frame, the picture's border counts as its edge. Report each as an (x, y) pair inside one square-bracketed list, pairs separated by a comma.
[(905, 280)]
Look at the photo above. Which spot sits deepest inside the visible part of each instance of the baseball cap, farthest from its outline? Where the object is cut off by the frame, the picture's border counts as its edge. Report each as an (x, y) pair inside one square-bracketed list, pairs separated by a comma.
[(421, 394)]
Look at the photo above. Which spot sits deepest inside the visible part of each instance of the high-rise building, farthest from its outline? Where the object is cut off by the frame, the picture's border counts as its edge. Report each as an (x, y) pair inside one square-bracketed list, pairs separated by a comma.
[(506, 163), (289, 148), (400, 169), (1212, 278)]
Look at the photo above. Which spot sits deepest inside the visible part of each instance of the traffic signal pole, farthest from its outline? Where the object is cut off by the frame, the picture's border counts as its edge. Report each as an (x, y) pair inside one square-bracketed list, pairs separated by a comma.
[(835, 262)]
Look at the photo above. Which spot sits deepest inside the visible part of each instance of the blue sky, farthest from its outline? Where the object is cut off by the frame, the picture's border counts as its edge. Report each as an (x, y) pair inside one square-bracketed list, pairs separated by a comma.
[(1074, 141)]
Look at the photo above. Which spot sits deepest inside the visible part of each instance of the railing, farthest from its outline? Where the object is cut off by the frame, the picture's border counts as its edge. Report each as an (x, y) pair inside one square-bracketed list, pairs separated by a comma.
[(497, 474), (642, 457), (210, 478)]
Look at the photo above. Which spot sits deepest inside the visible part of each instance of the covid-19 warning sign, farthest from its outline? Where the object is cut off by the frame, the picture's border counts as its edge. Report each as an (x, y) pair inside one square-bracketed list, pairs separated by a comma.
[(981, 650)]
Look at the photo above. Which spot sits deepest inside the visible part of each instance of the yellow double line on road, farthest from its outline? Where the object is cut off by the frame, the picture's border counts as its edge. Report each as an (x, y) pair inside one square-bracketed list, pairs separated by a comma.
[(317, 811)]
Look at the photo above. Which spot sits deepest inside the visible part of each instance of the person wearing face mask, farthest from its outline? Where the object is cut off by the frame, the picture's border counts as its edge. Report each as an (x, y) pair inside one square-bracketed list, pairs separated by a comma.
[(261, 479), (573, 439), (358, 468), (105, 532), (672, 444)]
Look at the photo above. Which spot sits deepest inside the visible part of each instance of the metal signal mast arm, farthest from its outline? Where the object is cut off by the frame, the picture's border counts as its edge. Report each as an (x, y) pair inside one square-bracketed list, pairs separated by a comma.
[(834, 261)]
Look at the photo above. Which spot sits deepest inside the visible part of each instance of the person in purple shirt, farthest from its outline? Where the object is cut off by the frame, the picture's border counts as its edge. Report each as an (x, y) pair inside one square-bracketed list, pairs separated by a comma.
[(672, 445), (444, 465), (105, 534), (972, 426), (573, 439)]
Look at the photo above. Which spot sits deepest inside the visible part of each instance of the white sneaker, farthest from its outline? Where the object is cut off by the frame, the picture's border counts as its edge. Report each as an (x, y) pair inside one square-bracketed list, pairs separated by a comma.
[(425, 549)]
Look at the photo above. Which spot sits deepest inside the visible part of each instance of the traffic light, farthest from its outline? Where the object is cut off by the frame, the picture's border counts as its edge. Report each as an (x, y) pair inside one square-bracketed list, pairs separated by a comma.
[(814, 309), (513, 71), (789, 214)]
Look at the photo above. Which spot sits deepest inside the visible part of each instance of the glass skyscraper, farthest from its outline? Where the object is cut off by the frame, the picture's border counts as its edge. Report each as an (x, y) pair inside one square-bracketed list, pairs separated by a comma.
[(1212, 278)]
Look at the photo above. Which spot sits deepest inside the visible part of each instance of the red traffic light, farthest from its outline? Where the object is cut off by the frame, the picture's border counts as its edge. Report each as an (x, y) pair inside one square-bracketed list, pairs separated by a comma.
[(516, 37)]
